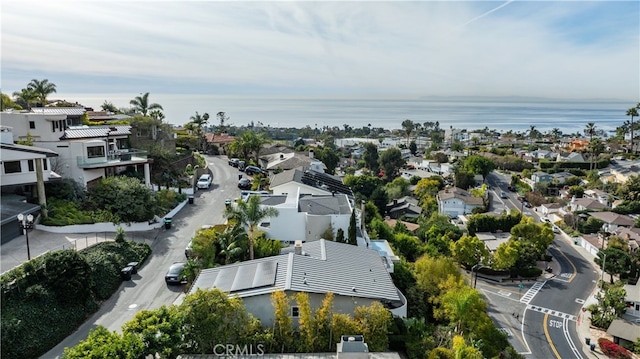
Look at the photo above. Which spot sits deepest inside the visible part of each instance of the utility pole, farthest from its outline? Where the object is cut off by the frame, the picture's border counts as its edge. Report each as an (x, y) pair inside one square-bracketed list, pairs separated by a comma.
[(604, 260)]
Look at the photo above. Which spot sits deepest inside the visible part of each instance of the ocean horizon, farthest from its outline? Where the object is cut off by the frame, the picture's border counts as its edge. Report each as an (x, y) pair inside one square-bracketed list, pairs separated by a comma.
[(500, 114)]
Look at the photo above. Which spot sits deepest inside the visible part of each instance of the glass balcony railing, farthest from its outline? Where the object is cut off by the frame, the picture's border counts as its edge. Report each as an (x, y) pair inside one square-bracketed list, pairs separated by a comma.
[(117, 158)]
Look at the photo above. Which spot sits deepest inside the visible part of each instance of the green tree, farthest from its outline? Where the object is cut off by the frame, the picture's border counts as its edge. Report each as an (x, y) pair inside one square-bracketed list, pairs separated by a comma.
[(322, 324), (610, 305), (407, 246), (265, 247), (330, 157), (224, 120), (141, 104), (391, 161), (200, 121), (408, 126), (375, 321), (340, 236), (461, 306), (25, 97), (103, 344), (67, 273), (397, 188), (431, 272), (506, 255), (464, 179), (351, 231), (232, 243), (469, 250), (212, 317), (306, 325), (250, 214), (108, 106), (42, 89), (478, 165), (370, 157), (8, 103), (160, 330), (362, 186), (616, 261), (537, 236), (126, 197), (590, 130)]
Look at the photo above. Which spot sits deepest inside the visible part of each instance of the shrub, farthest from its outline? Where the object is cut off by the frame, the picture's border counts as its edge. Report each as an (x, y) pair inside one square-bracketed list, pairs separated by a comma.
[(613, 350)]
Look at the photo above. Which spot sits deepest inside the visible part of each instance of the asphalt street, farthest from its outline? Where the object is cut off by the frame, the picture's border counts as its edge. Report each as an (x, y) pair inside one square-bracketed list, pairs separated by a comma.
[(147, 289)]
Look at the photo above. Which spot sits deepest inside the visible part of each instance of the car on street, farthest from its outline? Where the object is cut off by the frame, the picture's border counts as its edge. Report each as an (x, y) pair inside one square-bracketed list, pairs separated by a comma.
[(545, 219), (175, 274), (253, 170), (511, 188), (556, 229), (526, 204), (244, 183), (204, 182), (234, 162), (503, 195)]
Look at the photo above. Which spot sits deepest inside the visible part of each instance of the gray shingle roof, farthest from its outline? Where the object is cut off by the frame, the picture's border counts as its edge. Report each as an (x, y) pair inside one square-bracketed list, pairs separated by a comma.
[(323, 267), (95, 132), (323, 205)]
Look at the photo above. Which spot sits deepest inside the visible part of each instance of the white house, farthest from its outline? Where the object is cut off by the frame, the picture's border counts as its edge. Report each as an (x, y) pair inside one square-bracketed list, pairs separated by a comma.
[(308, 181), (455, 201), (599, 195), (355, 275), (613, 221)]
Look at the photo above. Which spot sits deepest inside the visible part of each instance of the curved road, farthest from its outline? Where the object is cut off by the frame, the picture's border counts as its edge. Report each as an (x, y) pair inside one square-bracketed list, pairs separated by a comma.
[(148, 290), (541, 323)]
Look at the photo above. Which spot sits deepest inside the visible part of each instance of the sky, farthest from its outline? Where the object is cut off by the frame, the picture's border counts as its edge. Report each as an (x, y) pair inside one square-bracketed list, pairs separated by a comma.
[(334, 49)]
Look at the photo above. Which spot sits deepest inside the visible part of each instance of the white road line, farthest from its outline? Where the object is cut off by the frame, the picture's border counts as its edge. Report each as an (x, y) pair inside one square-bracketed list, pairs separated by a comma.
[(551, 312), (535, 288), (572, 345), (524, 339)]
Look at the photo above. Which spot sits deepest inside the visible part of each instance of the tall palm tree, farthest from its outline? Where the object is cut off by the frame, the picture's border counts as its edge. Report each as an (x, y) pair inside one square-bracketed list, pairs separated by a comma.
[(42, 89), (596, 147), (633, 112), (555, 132), (25, 97), (590, 130), (250, 214), (199, 121), (141, 104), (408, 127), (232, 243)]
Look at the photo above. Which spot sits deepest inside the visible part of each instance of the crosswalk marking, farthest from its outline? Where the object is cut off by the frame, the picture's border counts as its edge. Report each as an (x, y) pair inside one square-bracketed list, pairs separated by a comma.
[(555, 313), (535, 288)]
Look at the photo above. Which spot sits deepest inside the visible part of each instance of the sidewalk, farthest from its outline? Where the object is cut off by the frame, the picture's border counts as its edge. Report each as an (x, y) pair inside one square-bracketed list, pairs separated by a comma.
[(14, 252)]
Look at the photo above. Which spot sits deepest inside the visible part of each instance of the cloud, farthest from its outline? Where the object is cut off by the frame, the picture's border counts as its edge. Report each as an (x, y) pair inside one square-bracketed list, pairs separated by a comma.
[(575, 49)]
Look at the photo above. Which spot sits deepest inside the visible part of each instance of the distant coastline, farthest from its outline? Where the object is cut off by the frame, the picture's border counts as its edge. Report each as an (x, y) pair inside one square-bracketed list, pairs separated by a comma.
[(499, 113)]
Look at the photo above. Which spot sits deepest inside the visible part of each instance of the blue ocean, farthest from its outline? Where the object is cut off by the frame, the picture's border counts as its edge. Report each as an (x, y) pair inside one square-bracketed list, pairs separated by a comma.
[(501, 114)]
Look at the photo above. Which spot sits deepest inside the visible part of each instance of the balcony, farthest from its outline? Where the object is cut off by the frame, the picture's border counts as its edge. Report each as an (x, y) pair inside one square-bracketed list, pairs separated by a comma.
[(123, 157)]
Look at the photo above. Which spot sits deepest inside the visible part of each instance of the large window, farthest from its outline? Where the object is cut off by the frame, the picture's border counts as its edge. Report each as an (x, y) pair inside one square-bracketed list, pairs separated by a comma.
[(44, 164), (32, 124), (12, 167), (31, 165), (95, 151)]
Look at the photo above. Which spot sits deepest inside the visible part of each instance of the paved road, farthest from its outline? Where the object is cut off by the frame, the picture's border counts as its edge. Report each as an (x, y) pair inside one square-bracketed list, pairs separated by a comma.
[(541, 317), (148, 290)]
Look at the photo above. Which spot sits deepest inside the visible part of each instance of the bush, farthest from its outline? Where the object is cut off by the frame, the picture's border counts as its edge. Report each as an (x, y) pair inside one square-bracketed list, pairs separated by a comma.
[(613, 350), (531, 272)]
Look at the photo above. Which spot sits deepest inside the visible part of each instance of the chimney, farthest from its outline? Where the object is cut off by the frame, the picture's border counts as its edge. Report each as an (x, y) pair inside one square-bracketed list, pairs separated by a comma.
[(298, 247)]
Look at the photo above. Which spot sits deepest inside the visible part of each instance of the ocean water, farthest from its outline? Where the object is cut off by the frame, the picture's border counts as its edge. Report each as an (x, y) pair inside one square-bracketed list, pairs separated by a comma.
[(501, 114)]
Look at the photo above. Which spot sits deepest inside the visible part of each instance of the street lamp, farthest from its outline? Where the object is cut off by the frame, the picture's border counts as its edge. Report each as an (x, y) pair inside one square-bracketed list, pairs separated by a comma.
[(26, 224), (475, 269)]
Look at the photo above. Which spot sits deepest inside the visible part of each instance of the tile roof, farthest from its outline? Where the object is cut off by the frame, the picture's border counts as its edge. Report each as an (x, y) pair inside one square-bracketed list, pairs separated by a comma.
[(218, 138), (324, 266), (95, 132)]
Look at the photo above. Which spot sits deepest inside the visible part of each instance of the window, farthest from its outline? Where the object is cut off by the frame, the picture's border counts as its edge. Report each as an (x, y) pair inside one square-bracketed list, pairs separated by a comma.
[(95, 151), (12, 167), (32, 124), (45, 164), (295, 312), (31, 166)]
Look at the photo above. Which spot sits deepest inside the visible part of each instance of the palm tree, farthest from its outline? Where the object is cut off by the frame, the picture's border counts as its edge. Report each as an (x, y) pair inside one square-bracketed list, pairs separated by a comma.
[(141, 104), (42, 89), (232, 243), (25, 97), (250, 214), (555, 132), (633, 112), (222, 117), (596, 147), (590, 130), (408, 127), (199, 122)]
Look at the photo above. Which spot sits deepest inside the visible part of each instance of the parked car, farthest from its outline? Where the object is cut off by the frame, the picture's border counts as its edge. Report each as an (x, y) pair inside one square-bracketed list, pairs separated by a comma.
[(556, 229), (253, 170), (511, 188), (204, 182), (244, 183), (189, 250), (503, 194), (234, 162), (545, 219), (527, 204), (175, 274)]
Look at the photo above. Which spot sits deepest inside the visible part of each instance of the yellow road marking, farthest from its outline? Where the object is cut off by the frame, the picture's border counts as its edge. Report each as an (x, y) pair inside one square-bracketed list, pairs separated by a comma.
[(575, 271), (506, 321), (546, 334)]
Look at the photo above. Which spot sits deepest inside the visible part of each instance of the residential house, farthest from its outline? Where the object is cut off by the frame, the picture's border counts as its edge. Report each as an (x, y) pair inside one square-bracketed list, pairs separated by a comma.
[(539, 176), (575, 157), (411, 227), (23, 172), (550, 210), (585, 204), (85, 154), (221, 141), (613, 221), (456, 201), (308, 181), (560, 177), (631, 235), (621, 171), (577, 145), (493, 240), (287, 159), (633, 299), (306, 217), (104, 117), (624, 332), (405, 206), (600, 196), (355, 275), (592, 243)]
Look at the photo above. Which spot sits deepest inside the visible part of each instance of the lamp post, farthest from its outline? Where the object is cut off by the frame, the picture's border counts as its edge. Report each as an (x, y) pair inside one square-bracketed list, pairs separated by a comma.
[(26, 224), (475, 270)]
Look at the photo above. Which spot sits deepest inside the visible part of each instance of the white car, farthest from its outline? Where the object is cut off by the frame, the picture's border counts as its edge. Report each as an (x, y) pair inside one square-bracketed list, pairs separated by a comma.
[(204, 182)]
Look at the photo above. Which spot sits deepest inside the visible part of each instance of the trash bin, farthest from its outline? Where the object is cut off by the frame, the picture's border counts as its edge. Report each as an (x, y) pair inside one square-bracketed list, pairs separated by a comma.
[(239, 176), (134, 267), (587, 340), (191, 199), (125, 273), (167, 223), (592, 347), (575, 241)]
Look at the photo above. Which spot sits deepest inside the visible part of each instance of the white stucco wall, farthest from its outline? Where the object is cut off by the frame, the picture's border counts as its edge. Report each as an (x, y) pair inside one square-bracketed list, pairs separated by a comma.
[(42, 131), (25, 176)]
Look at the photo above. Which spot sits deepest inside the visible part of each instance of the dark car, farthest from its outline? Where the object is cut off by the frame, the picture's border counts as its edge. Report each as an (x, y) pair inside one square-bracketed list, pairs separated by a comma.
[(252, 170), (234, 162), (527, 204), (244, 183), (175, 274), (511, 188)]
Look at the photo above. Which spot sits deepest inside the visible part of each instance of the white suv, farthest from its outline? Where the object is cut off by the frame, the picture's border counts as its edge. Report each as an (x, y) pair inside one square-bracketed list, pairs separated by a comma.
[(204, 182)]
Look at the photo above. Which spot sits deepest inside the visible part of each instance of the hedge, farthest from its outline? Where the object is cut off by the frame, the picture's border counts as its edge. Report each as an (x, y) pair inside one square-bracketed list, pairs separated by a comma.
[(36, 313)]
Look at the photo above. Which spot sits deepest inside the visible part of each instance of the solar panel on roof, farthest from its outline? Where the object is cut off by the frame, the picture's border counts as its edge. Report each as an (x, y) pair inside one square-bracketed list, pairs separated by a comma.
[(225, 279), (244, 277), (265, 274)]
